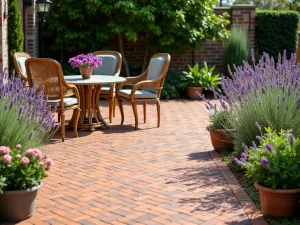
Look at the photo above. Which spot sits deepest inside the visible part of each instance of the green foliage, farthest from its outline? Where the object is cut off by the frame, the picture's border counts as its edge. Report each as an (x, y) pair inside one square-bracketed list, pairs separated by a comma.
[(220, 120), (171, 89), (15, 32), (20, 169), (201, 77), (276, 31), (276, 162), (235, 49), (163, 26)]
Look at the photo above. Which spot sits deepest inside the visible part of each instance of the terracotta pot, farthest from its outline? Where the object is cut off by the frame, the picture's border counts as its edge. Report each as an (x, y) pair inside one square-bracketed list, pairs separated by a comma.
[(86, 72), (278, 203), (18, 205), (220, 140), (192, 92)]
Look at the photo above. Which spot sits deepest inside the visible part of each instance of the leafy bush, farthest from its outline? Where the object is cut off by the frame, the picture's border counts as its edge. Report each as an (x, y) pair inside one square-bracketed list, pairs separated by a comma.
[(25, 117), (276, 31), (20, 169), (236, 49), (220, 120), (14, 30), (267, 92), (201, 77), (276, 162), (171, 89)]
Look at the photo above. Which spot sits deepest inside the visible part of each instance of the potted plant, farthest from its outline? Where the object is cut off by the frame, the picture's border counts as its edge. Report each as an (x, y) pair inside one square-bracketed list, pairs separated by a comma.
[(275, 168), (197, 79), (21, 174), (86, 64), (220, 129)]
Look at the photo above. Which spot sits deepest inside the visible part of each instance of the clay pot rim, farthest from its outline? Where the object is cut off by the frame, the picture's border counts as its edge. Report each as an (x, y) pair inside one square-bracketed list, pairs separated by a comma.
[(220, 130), (279, 191), (23, 191), (194, 87)]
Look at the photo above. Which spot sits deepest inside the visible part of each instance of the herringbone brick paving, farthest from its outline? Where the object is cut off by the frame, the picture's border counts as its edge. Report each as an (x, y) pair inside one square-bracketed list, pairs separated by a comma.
[(167, 175)]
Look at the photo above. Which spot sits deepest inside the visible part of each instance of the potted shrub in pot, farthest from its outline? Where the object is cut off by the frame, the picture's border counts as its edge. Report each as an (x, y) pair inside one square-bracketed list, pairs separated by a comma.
[(21, 174), (275, 168), (197, 79), (220, 130)]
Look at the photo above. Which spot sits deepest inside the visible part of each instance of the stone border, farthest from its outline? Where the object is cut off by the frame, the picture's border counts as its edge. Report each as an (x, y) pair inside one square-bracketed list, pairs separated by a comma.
[(248, 206)]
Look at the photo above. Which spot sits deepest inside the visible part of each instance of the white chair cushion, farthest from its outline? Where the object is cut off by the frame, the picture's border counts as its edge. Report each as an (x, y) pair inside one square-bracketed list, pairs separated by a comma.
[(138, 94), (105, 90), (21, 62), (109, 65), (155, 67), (67, 102)]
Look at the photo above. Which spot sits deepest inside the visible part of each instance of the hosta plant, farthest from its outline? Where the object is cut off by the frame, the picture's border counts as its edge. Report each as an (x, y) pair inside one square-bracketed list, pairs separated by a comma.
[(275, 163), (25, 117), (22, 169)]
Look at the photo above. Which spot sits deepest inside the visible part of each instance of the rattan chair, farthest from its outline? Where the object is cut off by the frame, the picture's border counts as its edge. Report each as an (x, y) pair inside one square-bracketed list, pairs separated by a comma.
[(147, 87), (48, 73), (111, 66), (19, 63)]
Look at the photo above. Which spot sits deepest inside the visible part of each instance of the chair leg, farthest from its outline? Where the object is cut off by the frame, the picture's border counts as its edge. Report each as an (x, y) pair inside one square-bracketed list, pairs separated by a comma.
[(110, 102), (75, 122), (135, 115), (58, 117), (114, 108), (121, 111), (144, 107), (62, 124), (158, 113)]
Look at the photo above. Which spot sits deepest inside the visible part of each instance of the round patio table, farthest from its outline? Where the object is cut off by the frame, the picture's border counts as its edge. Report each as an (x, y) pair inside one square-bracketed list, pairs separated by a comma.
[(89, 90)]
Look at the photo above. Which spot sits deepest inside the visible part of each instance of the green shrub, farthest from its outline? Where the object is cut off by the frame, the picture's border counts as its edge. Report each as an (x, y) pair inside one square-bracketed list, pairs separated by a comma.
[(276, 162), (276, 31), (171, 89), (236, 49), (15, 32), (200, 77)]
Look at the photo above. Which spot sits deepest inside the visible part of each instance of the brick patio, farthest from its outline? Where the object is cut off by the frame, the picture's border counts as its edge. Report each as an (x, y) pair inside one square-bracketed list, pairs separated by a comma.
[(167, 175)]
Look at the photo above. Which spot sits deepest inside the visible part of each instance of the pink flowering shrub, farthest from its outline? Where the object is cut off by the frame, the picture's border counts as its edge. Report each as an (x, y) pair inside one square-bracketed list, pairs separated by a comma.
[(85, 61), (22, 169)]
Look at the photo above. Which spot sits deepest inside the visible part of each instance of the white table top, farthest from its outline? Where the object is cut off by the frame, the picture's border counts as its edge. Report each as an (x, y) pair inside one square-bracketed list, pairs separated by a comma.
[(95, 79)]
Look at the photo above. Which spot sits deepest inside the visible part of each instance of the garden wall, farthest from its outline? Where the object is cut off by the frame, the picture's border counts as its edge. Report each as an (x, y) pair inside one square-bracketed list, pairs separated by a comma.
[(240, 15)]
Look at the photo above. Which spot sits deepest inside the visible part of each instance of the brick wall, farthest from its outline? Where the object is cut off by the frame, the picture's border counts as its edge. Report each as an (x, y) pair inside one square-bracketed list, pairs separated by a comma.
[(31, 30), (3, 39), (211, 51)]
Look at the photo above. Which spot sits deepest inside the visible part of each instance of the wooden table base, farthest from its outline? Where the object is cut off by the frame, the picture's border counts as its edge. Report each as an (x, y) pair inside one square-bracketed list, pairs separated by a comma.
[(90, 115)]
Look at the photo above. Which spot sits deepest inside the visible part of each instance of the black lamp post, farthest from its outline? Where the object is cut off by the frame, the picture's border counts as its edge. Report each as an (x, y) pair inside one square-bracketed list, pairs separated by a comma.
[(43, 7)]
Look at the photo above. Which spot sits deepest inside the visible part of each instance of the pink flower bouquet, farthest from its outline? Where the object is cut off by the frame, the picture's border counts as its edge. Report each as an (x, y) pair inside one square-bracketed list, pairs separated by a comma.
[(88, 60)]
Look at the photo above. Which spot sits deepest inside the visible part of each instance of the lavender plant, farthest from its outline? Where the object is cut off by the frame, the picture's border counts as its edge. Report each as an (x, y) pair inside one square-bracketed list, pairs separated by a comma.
[(25, 117), (266, 92)]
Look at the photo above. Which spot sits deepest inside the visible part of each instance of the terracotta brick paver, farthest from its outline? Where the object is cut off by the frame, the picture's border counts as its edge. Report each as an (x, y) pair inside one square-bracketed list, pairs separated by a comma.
[(152, 176)]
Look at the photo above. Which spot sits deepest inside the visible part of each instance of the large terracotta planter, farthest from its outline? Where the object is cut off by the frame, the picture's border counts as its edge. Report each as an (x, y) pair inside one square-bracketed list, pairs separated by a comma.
[(192, 92), (278, 203), (18, 205), (220, 139), (86, 72)]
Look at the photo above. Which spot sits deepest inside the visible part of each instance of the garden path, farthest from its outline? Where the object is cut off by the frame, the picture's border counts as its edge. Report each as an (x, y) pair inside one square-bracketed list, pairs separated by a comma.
[(152, 176)]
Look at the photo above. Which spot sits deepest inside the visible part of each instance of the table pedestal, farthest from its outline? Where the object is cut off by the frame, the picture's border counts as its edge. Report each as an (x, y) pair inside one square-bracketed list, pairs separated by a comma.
[(90, 115)]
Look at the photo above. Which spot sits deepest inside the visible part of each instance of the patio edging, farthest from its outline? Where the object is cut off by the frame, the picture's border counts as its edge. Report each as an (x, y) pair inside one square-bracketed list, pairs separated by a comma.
[(248, 206)]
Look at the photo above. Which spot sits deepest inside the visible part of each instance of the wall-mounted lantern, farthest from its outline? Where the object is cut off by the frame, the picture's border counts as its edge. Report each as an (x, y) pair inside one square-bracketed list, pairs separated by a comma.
[(5, 13)]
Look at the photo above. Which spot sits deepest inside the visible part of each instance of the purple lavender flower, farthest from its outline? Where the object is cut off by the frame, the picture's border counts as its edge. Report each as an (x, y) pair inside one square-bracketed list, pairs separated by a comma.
[(292, 139), (264, 162), (238, 162), (269, 147), (254, 145), (258, 126), (259, 138), (244, 156)]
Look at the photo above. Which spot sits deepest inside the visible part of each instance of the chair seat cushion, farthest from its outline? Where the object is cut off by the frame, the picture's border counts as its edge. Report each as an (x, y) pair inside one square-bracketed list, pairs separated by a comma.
[(67, 102), (105, 90), (138, 94)]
